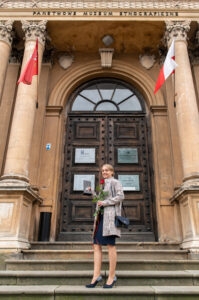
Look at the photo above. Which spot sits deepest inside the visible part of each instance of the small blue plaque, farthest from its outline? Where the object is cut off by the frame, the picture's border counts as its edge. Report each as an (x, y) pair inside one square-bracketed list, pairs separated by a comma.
[(48, 146)]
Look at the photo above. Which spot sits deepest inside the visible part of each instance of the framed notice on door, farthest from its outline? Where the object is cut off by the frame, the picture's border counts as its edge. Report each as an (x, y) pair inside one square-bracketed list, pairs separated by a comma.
[(127, 155), (84, 155), (79, 179), (130, 182)]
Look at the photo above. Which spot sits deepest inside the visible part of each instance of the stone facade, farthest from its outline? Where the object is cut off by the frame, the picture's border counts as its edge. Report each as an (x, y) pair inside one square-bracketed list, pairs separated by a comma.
[(31, 176)]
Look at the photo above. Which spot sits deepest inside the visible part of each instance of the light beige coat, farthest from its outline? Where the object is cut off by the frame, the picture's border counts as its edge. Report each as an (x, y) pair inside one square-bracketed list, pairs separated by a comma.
[(112, 206)]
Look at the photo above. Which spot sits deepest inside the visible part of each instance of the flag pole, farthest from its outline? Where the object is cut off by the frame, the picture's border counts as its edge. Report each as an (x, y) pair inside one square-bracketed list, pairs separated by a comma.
[(173, 82), (37, 101), (174, 75)]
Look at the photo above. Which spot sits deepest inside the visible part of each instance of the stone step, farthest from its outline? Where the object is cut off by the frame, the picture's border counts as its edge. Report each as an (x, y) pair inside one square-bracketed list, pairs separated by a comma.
[(122, 254), (120, 246), (125, 237), (161, 265), (125, 278), (70, 292)]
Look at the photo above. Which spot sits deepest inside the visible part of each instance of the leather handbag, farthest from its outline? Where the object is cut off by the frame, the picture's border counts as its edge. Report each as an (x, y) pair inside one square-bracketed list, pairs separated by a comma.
[(120, 222)]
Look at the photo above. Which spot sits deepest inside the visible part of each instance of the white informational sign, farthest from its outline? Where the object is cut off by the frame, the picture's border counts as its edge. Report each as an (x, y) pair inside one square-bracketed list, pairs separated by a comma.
[(79, 181), (130, 182), (84, 155)]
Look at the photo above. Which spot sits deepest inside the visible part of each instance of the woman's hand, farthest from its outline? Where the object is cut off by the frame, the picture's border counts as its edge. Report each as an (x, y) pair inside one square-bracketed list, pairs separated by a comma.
[(100, 203)]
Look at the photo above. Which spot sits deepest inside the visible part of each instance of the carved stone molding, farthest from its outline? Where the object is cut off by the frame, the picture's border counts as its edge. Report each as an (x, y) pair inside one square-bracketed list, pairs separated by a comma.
[(176, 30), (34, 30), (147, 60), (106, 57), (106, 4), (6, 32)]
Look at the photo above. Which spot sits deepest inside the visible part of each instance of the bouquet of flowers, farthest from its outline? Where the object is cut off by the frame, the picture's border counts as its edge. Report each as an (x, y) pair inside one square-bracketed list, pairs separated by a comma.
[(99, 196)]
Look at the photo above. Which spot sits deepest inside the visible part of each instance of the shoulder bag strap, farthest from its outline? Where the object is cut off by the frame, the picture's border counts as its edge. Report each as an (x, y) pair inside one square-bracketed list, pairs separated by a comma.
[(113, 195)]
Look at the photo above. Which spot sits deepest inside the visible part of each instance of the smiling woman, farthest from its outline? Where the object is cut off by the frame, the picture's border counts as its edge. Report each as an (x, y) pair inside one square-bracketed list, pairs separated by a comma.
[(105, 230)]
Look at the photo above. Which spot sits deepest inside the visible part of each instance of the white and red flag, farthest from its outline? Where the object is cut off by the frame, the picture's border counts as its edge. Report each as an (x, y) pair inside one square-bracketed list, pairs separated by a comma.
[(31, 67), (168, 67)]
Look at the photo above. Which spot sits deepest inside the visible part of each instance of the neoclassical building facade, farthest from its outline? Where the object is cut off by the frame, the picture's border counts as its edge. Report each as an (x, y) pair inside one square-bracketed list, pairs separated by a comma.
[(93, 103)]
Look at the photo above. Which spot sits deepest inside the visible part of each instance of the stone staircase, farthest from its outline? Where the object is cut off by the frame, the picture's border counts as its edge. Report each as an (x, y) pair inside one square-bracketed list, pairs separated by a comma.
[(145, 270)]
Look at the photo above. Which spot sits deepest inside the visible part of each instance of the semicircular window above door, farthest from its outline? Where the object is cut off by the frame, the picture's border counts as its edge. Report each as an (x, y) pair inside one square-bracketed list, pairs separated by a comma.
[(106, 95)]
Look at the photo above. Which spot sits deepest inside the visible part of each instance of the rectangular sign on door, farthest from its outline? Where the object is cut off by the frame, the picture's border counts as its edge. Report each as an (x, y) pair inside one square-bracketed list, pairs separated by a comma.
[(130, 182), (127, 155), (84, 155), (79, 179)]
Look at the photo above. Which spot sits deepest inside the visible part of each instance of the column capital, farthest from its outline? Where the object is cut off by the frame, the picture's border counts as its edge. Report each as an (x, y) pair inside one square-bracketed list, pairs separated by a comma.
[(34, 30), (6, 31), (176, 30)]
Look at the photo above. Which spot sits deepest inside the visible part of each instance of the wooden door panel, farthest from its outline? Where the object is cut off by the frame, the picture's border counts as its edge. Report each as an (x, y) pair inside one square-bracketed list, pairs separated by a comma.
[(86, 130), (78, 209), (81, 211), (126, 131), (135, 213), (107, 135), (130, 133)]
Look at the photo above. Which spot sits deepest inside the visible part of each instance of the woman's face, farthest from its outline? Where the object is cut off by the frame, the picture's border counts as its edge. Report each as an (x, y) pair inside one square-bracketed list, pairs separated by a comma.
[(106, 173)]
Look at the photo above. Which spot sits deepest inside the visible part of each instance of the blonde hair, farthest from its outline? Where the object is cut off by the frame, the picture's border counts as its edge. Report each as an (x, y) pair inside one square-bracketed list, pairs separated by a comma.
[(109, 167)]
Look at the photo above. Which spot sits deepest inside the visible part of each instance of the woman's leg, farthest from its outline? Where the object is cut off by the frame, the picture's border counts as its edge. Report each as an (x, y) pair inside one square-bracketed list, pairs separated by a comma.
[(112, 254), (97, 261)]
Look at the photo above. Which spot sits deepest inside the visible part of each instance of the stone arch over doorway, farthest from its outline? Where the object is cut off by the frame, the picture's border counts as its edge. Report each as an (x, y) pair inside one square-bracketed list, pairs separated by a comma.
[(81, 73), (156, 108)]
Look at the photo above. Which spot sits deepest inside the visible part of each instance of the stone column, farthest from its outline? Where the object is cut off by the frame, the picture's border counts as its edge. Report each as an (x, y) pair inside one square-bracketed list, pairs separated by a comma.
[(5, 47), (188, 127), (186, 103), (18, 153), (17, 198)]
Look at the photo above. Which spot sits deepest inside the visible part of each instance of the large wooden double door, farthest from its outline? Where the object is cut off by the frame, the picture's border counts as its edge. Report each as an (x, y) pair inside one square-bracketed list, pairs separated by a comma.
[(118, 139)]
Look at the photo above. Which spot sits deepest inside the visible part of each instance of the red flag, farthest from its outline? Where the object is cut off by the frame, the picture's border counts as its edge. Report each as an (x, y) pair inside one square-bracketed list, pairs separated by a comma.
[(31, 68), (168, 67)]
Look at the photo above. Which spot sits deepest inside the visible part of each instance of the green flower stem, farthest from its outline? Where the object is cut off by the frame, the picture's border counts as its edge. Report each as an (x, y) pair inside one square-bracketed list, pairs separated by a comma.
[(100, 196)]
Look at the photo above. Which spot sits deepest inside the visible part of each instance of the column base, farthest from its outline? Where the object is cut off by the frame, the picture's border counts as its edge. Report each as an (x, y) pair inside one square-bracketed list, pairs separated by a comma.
[(11, 243), (191, 181), (16, 202), (188, 198), (14, 178), (191, 243)]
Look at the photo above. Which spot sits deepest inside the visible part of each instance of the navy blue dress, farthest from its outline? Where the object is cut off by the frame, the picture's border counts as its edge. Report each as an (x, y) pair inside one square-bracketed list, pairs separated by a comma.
[(99, 238)]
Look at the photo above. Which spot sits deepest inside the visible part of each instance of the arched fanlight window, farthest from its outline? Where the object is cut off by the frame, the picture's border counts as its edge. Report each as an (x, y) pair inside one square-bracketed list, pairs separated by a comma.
[(107, 95)]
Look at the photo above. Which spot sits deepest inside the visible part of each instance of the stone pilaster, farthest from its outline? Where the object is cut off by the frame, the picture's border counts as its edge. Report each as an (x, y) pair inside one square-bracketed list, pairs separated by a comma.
[(16, 195), (5, 48), (188, 128)]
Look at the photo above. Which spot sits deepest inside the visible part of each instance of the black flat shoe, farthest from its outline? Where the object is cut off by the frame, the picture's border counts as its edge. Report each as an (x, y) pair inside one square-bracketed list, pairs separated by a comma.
[(92, 285), (109, 286)]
